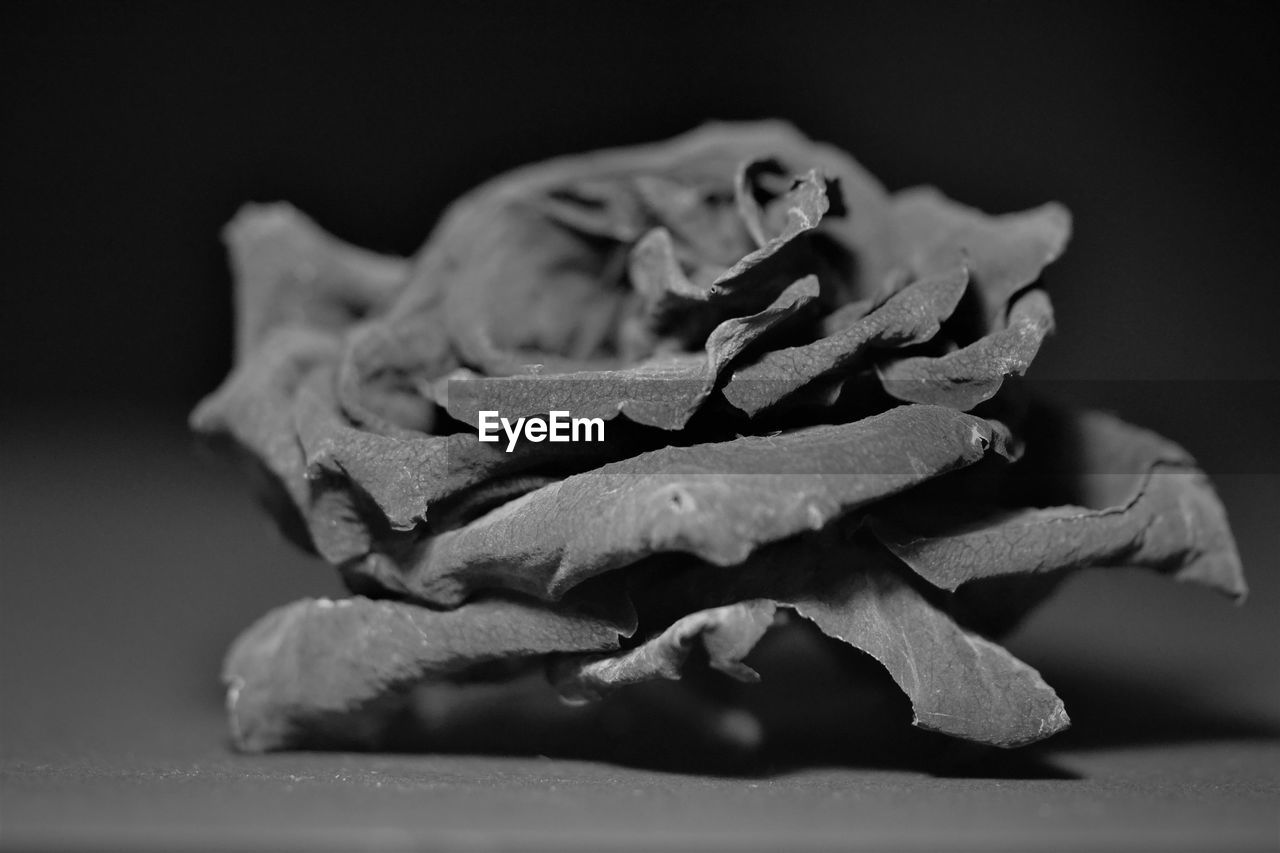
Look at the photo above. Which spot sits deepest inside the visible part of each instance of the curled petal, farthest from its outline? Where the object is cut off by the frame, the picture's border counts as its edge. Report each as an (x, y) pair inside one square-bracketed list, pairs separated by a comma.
[(971, 375), (305, 673), (959, 683), (1004, 254), (912, 315), (1147, 506), (727, 634), (290, 272)]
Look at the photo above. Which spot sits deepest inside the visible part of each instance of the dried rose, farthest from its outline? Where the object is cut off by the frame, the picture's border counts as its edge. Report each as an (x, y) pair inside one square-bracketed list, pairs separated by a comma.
[(802, 386)]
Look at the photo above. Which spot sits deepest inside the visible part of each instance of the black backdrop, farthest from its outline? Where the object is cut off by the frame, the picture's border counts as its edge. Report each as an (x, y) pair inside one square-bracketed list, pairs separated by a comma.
[(134, 130)]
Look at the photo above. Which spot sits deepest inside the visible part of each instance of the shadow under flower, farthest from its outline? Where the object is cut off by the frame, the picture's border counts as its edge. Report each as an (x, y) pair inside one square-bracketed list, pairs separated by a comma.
[(838, 709), (1114, 707)]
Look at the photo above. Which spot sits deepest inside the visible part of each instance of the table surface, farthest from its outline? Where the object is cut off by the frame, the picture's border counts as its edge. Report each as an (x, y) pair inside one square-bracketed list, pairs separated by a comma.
[(130, 563)]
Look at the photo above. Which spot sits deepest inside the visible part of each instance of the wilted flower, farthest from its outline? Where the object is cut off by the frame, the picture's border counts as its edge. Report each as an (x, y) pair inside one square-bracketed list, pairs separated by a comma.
[(804, 384)]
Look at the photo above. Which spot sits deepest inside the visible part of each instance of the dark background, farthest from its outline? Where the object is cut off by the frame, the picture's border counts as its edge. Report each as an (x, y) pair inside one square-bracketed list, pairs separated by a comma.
[(132, 132)]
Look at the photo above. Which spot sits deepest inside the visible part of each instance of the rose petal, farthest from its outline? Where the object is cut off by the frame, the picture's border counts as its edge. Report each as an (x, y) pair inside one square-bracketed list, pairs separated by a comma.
[(303, 672), (678, 307), (959, 684), (1004, 254), (716, 501), (253, 411), (1152, 508), (910, 316), (971, 375), (407, 474), (727, 634), (290, 272), (663, 391)]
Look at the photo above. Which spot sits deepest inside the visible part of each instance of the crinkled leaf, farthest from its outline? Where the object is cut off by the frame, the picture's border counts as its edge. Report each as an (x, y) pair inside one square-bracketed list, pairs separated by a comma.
[(716, 501), (315, 664), (973, 374), (1152, 508), (930, 234), (663, 392), (726, 634), (910, 316)]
